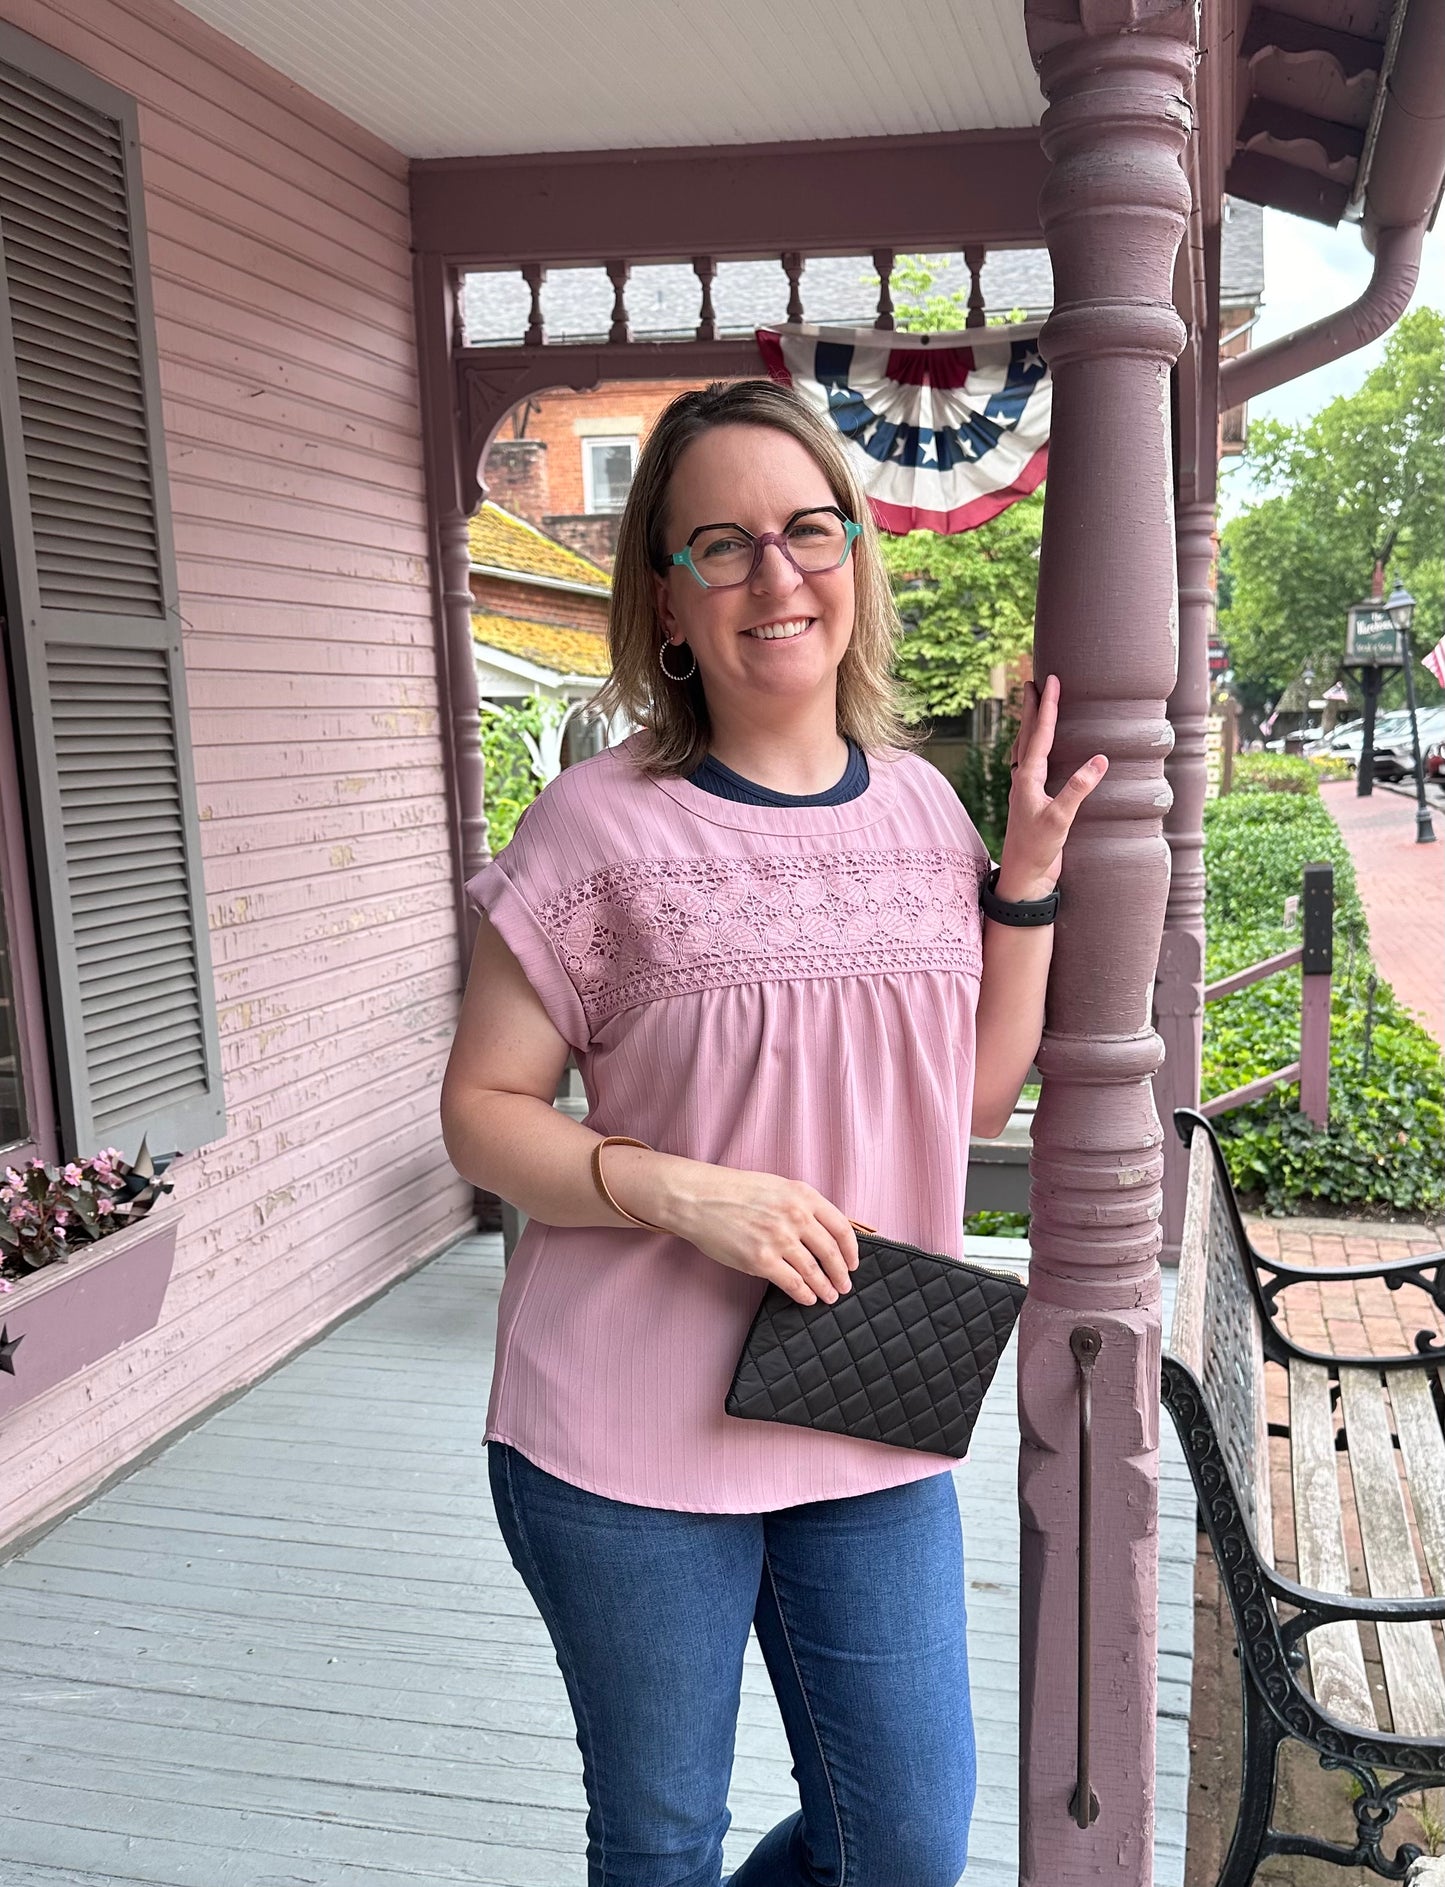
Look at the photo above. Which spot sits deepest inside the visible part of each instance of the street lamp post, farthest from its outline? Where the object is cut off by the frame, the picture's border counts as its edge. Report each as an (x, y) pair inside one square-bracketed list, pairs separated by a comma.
[(1400, 606), (1372, 643)]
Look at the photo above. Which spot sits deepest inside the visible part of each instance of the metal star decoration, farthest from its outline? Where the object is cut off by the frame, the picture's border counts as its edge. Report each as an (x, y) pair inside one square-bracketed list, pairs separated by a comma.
[(7, 1350)]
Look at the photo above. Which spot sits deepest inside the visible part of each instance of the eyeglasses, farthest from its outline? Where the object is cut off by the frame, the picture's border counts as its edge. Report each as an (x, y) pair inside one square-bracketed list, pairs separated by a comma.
[(725, 556)]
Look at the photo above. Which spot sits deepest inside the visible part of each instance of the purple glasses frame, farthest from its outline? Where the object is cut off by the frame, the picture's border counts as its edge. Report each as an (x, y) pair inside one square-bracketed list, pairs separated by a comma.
[(851, 533)]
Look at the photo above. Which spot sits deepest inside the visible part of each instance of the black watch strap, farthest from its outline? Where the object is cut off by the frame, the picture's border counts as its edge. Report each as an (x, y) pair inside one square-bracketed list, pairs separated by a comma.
[(1026, 912)]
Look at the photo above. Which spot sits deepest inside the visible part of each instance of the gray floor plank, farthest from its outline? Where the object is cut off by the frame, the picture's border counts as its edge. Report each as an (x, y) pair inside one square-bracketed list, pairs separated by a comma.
[(293, 1650)]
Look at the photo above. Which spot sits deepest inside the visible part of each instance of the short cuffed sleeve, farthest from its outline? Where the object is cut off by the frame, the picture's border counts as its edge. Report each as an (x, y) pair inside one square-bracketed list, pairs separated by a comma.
[(494, 892)]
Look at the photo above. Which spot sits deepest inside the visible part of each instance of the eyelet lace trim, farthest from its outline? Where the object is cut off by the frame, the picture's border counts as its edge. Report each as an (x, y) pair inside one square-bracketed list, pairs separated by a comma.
[(650, 928)]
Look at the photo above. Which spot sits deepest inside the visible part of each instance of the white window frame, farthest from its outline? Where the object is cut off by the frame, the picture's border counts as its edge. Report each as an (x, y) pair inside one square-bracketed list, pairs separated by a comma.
[(589, 489)]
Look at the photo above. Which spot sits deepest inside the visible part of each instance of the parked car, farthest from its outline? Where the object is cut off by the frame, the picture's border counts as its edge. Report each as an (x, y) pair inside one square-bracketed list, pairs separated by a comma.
[(1338, 740), (1435, 762), (1392, 740), (1395, 750)]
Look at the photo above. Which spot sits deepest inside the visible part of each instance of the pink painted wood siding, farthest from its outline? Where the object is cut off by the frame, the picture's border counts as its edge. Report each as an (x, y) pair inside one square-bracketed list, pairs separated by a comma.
[(279, 249)]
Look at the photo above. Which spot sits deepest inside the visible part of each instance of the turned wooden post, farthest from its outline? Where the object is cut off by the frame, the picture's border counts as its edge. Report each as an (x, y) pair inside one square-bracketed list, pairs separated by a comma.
[(466, 714), (1179, 986), (450, 486), (1116, 75)]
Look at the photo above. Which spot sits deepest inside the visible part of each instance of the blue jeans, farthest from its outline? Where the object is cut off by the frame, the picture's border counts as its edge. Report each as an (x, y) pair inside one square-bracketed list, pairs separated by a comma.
[(859, 1610)]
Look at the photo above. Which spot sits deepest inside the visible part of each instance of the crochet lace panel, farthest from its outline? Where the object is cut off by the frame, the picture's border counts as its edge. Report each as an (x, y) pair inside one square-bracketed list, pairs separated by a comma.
[(662, 927)]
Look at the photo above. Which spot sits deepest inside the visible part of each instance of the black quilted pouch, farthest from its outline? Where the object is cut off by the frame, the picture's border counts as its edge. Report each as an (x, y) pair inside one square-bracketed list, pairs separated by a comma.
[(906, 1356)]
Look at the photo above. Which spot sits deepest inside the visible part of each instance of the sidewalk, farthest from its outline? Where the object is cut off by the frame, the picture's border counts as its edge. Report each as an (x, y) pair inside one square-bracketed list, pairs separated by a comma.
[(1402, 884)]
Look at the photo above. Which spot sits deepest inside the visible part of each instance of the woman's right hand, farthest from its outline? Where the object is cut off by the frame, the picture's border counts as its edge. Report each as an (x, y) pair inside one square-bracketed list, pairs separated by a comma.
[(781, 1230)]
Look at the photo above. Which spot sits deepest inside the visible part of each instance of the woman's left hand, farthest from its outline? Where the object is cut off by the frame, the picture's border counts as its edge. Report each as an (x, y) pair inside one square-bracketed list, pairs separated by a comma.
[(1033, 845)]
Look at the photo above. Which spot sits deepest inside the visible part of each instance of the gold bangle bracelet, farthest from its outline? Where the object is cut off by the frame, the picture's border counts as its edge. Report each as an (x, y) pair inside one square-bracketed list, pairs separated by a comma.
[(605, 1192)]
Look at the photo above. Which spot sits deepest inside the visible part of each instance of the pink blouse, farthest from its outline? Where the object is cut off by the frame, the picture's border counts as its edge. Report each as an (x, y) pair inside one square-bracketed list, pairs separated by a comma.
[(786, 989)]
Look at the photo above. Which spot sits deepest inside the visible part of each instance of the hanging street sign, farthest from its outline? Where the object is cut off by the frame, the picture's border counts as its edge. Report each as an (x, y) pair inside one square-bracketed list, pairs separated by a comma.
[(1371, 639)]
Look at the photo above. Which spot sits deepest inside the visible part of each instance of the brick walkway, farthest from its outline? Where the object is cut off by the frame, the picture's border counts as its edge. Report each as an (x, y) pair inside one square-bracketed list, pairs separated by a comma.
[(1331, 1317), (1402, 884)]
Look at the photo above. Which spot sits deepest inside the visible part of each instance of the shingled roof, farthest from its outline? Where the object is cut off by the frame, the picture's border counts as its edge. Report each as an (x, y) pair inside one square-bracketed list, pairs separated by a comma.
[(564, 651), (502, 542)]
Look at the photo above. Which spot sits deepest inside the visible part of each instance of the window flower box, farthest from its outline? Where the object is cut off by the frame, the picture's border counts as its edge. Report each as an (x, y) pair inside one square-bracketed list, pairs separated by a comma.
[(66, 1317), (72, 1289)]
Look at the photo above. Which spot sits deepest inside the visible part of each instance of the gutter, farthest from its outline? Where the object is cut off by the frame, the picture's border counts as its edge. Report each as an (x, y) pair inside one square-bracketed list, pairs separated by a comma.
[(542, 583), (1401, 191)]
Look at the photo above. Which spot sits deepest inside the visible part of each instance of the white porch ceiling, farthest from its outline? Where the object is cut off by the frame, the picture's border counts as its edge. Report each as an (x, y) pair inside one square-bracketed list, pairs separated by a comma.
[(462, 78)]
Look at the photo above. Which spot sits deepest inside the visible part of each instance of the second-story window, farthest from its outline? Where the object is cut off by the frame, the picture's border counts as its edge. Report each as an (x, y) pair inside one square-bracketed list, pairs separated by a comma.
[(607, 468)]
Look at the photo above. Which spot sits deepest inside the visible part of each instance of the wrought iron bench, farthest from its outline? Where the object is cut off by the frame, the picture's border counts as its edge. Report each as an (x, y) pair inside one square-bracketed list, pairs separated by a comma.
[(1302, 1663)]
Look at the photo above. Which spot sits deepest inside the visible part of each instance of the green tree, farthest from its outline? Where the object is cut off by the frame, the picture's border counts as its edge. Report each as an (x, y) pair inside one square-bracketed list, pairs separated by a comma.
[(1332, 490), (967, 601)]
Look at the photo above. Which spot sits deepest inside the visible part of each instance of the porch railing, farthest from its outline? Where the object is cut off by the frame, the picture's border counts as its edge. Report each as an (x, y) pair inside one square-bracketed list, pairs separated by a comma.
[(1315, 955)]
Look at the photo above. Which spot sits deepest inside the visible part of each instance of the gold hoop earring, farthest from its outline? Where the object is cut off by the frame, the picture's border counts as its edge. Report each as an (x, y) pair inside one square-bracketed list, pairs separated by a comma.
[(688, 674)]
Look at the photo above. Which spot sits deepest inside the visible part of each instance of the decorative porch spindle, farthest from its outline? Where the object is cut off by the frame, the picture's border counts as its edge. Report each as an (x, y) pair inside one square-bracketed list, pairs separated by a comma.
[(974, 260), (533, 274), (883, 260), (455, 284), (1179, 988), (792, 261), (704, 268), (1116, 74), (617, 274)]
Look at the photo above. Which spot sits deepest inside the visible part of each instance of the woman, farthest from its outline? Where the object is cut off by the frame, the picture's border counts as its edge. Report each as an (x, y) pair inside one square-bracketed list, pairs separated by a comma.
[(756, 924)]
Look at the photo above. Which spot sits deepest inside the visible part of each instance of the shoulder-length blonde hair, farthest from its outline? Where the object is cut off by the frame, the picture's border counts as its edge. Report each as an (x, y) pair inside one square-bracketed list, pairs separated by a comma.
[(672, 715)]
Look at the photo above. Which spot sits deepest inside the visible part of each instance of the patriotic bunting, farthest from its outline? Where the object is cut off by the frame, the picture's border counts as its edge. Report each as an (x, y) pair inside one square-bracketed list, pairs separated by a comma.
[(1435, 661), (945, 430)]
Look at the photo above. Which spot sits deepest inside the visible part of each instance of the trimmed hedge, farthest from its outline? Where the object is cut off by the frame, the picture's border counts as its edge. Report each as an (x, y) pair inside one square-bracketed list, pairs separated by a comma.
[(1273, 773), (1385, 1144)]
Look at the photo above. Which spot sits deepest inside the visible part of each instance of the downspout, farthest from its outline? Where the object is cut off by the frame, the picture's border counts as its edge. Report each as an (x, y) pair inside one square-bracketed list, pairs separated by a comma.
[(1397, 266), (1399, 186)]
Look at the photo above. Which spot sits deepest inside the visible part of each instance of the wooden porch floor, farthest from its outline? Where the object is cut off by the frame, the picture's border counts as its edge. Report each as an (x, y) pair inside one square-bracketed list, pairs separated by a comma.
[(292, 1650)]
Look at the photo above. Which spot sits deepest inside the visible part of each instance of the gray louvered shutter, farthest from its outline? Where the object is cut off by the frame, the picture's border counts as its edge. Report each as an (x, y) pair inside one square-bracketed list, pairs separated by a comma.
[(93, 622)]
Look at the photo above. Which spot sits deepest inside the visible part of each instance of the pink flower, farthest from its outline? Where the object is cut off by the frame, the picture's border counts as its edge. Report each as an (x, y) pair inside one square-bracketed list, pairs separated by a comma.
[(62, 1215), (105, 1207), (7, 1193), (18, 1215), (72, 1174), (5, 1285), (13, 1177)]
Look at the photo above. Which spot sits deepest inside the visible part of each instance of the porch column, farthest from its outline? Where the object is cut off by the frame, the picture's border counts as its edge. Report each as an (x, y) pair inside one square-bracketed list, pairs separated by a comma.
[(1179, 990), (451, 494), (1116, 74)]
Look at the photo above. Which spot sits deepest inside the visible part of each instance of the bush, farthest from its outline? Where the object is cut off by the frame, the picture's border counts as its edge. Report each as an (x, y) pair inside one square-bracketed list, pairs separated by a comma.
[(990, 1224), (1333, 766), (1385, 1144), (985, 780), (510, 782), (1273, 773)]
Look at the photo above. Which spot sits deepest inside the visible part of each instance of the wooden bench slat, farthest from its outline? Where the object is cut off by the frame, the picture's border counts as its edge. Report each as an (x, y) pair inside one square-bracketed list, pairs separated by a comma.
[(1186, 1336), (1423, 1447), (1337, 1660), (1412, 1663)]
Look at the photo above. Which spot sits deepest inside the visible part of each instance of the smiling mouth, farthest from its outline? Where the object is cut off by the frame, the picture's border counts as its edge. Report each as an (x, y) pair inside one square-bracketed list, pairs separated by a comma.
[(784, 631)]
